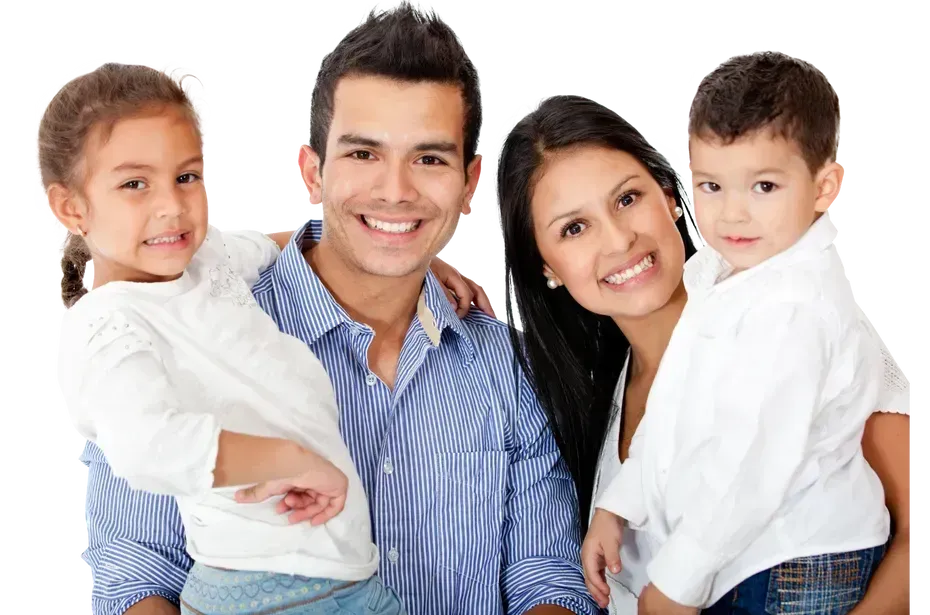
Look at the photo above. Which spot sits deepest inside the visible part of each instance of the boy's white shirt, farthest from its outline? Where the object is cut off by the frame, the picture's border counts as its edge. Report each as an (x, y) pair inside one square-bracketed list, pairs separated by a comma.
[(153, 372), (749, 453)]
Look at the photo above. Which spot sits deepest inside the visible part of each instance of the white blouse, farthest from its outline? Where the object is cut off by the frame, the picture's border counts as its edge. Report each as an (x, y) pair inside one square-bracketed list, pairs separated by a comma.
[(153, 372), (640, 547)]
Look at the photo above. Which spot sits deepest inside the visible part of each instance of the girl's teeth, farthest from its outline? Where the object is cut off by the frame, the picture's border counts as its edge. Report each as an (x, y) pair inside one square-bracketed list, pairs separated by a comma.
[(391, 227), (158, 240)]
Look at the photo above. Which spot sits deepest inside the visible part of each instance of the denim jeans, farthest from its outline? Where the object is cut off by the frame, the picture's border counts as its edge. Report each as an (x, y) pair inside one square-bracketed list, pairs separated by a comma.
[(210, 591), (818, 585)]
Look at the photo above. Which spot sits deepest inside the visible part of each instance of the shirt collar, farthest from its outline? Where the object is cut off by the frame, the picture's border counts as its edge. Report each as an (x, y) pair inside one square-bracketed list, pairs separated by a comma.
[(707, 266), (298, 286)]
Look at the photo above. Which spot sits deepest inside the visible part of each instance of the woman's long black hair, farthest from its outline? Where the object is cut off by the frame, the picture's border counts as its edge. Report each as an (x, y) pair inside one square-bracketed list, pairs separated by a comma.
[(572, 357)]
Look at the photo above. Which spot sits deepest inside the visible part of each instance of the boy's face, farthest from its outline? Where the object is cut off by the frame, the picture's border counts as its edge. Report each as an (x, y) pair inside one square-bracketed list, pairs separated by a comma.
[(754, 197)]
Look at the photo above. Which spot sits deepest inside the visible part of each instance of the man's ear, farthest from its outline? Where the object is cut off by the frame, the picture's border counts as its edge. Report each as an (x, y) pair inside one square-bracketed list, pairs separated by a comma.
[(310, 169), (475, 175)]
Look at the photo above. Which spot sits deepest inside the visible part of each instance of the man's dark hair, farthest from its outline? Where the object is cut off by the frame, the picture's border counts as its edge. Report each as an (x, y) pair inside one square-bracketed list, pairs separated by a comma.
[(769, 90), (405, 44)]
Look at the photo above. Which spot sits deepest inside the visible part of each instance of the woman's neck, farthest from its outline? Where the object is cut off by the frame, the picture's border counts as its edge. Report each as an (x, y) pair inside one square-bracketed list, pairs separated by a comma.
[(649, 335)]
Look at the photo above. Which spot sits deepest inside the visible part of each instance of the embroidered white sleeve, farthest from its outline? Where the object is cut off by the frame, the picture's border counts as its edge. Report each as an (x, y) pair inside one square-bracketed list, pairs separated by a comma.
[(250, 253), (895, 396), (126, 404)]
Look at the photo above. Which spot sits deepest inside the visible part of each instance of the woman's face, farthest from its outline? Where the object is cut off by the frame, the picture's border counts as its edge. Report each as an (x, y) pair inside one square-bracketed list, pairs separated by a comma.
[(606, 231)]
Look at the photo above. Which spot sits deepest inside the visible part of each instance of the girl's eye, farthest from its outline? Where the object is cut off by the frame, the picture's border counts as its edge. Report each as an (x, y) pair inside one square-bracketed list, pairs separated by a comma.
[(188, 178), (572, 229), (709, 187), (134, 184), (763, 187)]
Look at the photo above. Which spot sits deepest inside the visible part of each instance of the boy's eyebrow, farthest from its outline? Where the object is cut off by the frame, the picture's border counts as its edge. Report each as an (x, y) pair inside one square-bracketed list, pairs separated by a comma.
[(138, 166), (358, 140), (445, 147)]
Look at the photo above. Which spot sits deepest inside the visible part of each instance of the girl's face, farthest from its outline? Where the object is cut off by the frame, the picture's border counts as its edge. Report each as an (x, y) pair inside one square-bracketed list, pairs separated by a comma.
[(143, 204), (606, 230)]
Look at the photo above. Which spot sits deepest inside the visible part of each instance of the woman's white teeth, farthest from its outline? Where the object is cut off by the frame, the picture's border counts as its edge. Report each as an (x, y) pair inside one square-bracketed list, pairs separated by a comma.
[(619, 278), (158, 240), (391, 227)]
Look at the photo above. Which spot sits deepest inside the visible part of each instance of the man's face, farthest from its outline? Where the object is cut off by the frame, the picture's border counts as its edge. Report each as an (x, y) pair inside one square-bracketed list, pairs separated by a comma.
[(394, 179)]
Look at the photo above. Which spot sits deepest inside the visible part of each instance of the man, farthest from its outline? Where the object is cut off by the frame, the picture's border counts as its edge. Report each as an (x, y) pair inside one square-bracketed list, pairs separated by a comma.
[(473, 510)]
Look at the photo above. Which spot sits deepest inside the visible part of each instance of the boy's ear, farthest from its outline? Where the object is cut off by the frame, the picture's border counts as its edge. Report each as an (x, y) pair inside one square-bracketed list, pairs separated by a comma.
[(829, 182)]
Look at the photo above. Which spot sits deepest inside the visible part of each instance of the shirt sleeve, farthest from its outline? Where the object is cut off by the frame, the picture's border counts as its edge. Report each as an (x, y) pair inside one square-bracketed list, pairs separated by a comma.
[(541, 535), (895, 394), (136, 545), (624, 495), (249, 253), (780, 359), (127, 405)]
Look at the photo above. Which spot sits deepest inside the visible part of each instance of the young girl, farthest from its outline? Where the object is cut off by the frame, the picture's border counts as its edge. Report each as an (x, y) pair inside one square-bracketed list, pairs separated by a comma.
[(170, 366)]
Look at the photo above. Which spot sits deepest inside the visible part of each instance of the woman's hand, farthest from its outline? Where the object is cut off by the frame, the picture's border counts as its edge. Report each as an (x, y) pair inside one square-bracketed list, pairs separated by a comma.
[(460, 291)]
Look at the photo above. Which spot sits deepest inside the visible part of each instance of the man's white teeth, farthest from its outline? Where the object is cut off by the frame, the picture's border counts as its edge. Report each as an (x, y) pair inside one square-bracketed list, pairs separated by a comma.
[(391, 227), (644, 265), (158, 240)]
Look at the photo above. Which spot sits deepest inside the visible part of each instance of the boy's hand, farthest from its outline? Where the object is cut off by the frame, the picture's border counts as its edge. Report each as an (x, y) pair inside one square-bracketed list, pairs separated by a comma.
[(318, 494), (654, 602), (601, 549)]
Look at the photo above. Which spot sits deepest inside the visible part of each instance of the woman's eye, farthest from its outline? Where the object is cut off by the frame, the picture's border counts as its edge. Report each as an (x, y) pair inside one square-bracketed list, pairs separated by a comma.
[(572, 229)]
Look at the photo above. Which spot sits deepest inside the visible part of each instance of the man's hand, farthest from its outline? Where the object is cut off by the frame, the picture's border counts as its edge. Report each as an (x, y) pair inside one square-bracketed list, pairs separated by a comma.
[(654, 602), (601, 549), (318, 494), (460, 291), (153, 605)]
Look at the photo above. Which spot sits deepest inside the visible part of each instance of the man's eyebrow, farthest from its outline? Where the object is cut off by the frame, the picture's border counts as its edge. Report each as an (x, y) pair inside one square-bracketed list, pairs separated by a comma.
[(352, 139), (358, 140)]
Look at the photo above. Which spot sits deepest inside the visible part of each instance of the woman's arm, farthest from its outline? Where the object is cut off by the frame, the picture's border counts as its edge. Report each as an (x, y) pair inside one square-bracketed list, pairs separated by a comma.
[(886, 444)]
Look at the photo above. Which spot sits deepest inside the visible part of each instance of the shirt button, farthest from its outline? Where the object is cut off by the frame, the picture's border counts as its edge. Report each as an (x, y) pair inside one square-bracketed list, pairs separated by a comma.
[(371, 379), (388, 466), (393, 555)]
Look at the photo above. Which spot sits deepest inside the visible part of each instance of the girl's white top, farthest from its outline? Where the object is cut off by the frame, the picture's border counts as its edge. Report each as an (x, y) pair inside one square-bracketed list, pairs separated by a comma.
[(749, 453), (153, 372)]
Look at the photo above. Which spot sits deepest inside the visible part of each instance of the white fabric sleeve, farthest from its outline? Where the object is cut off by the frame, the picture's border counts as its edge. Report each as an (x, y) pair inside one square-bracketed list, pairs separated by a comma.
[(779, 360), (624, 495), (895, 395), (127, 405), (249, 253)]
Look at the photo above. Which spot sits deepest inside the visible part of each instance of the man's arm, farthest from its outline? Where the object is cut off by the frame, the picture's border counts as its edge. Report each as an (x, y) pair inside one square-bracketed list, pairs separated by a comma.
[(541, 537), (136, 547)]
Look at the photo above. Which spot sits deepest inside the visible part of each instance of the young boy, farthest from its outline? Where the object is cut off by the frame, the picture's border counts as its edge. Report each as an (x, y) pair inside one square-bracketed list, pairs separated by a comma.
[(747, 469)]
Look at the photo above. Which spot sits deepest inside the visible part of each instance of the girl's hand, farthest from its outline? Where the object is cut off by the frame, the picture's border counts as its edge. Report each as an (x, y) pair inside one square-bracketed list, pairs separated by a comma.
[(318, 494), (461, 291), (601, 549)]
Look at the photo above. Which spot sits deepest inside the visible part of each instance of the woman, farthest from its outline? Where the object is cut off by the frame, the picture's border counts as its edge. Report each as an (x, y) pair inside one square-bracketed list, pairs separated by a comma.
[(567, 173)]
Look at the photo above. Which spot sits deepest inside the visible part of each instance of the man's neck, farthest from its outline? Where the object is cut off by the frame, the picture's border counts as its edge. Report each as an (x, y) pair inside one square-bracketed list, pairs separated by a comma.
[(649, 335), (387, 305)]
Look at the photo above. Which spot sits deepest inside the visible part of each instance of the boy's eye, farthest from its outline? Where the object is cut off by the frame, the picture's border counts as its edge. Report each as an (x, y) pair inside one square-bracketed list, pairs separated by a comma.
[(188, 178), (763, 187), (362, 155), (134, 184), (430, 160)]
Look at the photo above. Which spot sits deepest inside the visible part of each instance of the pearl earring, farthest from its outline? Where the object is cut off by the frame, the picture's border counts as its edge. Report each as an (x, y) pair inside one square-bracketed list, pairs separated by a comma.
[(552, 284), (679, 212)]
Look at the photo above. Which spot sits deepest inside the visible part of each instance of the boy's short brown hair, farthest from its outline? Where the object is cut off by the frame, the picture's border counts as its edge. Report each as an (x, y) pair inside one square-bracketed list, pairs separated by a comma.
[(769, 90)]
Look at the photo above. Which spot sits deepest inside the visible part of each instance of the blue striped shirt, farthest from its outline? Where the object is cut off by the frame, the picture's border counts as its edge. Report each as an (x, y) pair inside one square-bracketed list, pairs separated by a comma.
[(472, 508)]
